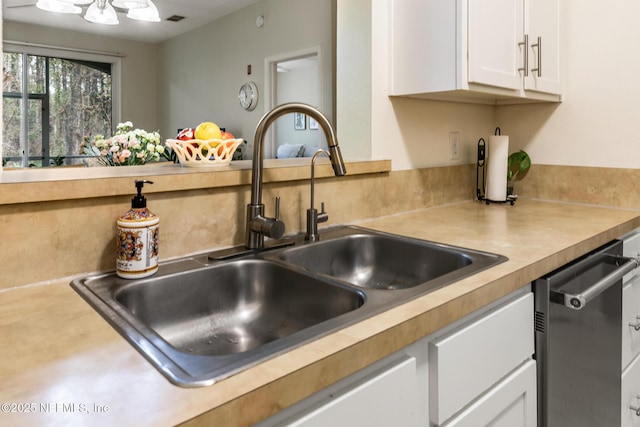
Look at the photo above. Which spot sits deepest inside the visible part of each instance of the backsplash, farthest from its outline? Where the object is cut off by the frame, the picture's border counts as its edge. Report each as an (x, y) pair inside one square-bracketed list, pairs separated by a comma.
[(580, 184), (49, 240)]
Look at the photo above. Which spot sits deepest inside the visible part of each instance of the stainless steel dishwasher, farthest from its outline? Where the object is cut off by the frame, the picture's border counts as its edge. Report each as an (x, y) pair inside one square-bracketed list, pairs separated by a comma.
[(578, 313)]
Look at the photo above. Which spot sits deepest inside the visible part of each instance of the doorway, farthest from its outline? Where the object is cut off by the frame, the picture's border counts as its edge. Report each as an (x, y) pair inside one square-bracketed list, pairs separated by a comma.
[(294, 77)]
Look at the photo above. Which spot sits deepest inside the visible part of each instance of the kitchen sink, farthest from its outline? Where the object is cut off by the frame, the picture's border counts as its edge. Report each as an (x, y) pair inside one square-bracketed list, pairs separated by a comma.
[(199, 320), (234, 307), (379, 261)]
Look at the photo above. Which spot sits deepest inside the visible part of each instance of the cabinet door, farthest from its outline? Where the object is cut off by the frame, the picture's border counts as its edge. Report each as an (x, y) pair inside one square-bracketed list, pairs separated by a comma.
[(468, 361), (630, 316), (511, 403), (495, 27), (631, 394), (387, 398), (542, 23)]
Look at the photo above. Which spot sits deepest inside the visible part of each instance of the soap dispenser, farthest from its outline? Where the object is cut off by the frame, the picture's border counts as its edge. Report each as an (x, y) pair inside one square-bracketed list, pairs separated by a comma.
[(137, 239)]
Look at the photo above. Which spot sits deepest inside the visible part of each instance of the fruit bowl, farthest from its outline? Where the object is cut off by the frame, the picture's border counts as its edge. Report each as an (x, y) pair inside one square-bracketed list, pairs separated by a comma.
[(203, 153)]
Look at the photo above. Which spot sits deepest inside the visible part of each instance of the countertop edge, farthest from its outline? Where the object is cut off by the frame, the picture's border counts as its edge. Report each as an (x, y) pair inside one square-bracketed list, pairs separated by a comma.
[(80, 183)]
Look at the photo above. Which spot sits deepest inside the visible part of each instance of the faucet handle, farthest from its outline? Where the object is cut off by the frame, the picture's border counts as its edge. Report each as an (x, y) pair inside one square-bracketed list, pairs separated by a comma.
[(322, 216), (275, 227)]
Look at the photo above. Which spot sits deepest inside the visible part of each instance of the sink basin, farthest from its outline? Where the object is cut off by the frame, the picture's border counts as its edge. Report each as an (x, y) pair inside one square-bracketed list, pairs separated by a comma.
[(199, 321), (376, 260), (234, 307)]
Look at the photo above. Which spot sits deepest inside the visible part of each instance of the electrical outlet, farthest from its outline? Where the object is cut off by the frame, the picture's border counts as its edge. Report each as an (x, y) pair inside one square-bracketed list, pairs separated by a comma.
[(454, 145)]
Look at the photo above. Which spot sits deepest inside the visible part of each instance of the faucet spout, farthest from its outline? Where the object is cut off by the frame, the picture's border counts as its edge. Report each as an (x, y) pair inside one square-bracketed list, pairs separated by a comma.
[(313, 217), (257, 225)]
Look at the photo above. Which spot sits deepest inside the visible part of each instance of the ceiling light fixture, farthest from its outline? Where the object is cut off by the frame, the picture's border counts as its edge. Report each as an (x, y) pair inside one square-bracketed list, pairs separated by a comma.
[(147, 14), (102, 11), (76, 2), (131, 4), (58, 6)]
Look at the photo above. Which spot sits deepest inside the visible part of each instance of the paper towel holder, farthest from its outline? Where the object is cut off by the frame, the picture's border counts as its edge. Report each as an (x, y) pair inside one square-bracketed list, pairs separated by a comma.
[(480, 171)]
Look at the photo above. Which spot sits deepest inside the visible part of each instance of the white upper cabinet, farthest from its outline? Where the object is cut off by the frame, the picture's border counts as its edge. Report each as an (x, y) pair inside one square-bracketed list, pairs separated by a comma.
[(495, 30), (483, 51), (542, 24)]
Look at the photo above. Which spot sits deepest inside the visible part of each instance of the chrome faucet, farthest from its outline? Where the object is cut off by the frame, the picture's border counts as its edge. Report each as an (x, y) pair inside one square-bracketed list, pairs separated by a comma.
[(258, 225)]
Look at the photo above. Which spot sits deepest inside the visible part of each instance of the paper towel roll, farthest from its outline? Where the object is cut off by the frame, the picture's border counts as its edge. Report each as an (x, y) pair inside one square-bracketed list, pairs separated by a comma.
[(497, 154)]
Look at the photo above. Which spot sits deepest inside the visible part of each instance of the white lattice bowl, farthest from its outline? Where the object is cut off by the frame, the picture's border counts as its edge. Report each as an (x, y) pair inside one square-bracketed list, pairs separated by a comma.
[(200, 153)]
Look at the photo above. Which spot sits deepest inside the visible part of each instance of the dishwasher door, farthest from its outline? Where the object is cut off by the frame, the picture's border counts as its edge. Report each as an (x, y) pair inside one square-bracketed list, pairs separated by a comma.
[(578, 311)]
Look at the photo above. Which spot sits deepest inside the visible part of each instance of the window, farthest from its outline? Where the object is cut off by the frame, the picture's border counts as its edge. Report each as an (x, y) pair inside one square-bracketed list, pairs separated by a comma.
[(53, 103)]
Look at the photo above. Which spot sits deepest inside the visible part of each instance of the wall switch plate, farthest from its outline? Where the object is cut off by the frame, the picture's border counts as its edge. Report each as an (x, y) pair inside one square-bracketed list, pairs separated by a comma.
[(454, 145)]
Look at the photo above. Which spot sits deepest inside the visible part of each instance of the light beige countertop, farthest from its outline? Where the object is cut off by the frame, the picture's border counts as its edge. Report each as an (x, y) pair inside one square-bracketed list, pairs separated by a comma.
[(62, 364)]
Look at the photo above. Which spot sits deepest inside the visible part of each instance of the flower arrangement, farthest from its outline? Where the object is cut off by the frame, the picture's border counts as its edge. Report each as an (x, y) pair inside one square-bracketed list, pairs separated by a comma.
[(127, 147)]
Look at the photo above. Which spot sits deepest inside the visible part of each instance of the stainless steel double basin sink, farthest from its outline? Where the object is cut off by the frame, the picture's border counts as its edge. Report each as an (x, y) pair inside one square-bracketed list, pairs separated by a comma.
[(199, 321)]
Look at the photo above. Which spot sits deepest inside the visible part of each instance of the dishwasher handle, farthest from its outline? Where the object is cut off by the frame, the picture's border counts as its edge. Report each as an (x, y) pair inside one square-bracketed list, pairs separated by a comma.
[(577, 301)]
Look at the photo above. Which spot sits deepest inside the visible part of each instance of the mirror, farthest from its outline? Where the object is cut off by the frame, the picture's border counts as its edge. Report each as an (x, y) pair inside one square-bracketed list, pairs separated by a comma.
[(195, 76)]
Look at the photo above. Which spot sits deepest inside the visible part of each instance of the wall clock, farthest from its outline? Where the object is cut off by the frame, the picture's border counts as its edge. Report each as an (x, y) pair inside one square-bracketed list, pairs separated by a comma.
[(248, 96)]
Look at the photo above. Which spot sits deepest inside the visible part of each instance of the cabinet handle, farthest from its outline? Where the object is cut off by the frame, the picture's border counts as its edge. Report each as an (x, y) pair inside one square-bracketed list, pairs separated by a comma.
[(538, 69), (636, 325), (525, 55)]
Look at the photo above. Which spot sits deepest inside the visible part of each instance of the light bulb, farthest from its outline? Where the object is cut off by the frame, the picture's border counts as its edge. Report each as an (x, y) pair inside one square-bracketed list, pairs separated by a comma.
[(148, 14), (57, 6), (97, 15), (131, 4)]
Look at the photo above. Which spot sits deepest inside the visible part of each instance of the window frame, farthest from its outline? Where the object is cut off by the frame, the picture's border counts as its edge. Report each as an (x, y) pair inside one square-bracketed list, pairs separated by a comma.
[(81, 55)]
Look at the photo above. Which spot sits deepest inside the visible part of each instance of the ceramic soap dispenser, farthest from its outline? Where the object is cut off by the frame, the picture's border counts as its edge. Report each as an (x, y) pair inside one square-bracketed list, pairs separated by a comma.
[(137, 239)]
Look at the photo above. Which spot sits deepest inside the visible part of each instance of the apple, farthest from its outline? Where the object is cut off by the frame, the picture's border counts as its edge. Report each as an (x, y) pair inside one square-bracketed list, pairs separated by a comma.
[(226, 136), (186, 134)]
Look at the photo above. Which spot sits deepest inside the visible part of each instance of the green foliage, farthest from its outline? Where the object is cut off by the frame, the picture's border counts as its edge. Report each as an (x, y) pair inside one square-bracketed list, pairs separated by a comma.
[(79, 105), (517, 163)]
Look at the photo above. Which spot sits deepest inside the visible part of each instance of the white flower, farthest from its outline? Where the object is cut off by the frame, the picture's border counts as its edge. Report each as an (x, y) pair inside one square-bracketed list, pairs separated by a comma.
[(125, 125), (129, 146)]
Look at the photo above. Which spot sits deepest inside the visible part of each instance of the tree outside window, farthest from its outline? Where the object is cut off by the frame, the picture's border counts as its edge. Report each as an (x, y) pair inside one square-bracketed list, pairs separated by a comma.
[(51, 106)]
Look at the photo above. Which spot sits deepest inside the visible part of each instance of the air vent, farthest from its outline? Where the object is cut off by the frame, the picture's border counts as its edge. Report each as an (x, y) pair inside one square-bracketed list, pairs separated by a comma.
[(175, 18), (540, 322)]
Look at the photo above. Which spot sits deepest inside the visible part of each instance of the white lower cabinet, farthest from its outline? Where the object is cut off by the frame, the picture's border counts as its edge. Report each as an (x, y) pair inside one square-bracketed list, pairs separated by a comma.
[(475, 372), (631, 336), (385, 394), (470, 359), (510, 403), (631, 394)]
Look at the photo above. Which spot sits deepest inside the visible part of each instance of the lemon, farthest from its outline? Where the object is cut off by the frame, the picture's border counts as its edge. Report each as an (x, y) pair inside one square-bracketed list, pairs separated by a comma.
[(208, 130)]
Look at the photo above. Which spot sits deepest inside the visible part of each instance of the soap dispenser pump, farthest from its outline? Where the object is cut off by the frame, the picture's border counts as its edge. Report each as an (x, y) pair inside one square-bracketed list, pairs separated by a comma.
[(137, 238)]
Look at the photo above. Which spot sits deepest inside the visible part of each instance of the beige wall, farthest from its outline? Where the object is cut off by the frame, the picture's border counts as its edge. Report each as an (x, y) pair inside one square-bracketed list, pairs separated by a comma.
[(201, 71)]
